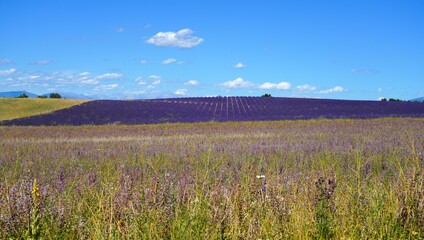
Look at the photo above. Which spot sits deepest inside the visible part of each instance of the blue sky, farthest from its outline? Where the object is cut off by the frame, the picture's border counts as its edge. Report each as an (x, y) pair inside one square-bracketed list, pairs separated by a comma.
[(151, 49)]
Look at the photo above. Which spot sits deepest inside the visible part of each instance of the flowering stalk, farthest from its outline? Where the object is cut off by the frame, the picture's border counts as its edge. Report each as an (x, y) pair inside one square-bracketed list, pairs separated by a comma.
[(34, 227)]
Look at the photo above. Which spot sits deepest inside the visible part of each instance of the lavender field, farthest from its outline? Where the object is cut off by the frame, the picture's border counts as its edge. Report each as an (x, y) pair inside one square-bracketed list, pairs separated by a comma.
[(219, 109), (306, 179)]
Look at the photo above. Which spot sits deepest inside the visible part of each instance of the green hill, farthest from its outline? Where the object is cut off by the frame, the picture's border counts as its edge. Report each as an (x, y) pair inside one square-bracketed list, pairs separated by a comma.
[(11, 108)]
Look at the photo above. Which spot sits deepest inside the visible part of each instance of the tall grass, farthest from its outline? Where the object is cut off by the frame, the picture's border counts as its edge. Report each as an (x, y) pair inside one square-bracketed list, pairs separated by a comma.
[(315, 179), (11, 108)]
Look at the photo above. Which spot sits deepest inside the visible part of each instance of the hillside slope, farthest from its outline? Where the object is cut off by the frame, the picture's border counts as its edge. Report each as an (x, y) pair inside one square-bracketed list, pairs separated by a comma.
[(421, 99), (12, 94), (11, 108)]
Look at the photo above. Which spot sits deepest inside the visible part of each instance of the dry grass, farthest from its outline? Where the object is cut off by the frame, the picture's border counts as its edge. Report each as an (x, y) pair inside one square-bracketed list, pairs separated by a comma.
[(11, 108)]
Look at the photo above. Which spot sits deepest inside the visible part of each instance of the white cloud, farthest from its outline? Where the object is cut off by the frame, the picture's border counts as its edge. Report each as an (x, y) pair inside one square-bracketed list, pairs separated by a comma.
[(268, 85), (108, 76), (84, 74), (152, 80), (191, 83), (155, 79), (89, 81), (380, 98), (237, 83), (40, 81), (5, 61), (143, 61), (120, 30), (239, 65), (332, 90), (306, 88), (181, 92), (141, 81), (280, 85), (84, 78), (180, 39), (379, 90), (106, 87), (169, 61), (363, 70), (7, 72), (284, 85), (41, 62)]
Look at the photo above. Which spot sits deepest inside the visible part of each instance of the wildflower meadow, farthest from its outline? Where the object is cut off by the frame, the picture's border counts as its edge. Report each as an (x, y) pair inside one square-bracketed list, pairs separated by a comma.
[(305, 179)]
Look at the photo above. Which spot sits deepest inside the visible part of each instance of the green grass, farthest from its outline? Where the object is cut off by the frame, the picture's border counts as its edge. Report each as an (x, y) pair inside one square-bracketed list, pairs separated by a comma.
[(11, 108)]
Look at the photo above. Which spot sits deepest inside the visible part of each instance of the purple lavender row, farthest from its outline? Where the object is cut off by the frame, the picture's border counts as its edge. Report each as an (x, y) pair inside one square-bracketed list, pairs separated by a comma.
[(218, 109)]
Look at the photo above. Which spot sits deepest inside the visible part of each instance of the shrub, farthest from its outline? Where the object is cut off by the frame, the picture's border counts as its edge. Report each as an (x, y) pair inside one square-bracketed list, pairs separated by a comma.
[(23, 95), (55, 95)]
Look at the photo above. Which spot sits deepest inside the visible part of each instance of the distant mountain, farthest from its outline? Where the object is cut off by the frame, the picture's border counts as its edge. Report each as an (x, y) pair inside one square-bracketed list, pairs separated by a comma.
[(68, 95), (12, 94), (421, 99)]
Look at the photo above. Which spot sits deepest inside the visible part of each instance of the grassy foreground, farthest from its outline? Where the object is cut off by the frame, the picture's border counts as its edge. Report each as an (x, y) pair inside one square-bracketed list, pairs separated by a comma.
[(11, 108), (315, 179)]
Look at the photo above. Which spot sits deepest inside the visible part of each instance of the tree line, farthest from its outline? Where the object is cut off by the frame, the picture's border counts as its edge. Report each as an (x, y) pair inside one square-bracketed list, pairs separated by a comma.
[(51, 95)]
